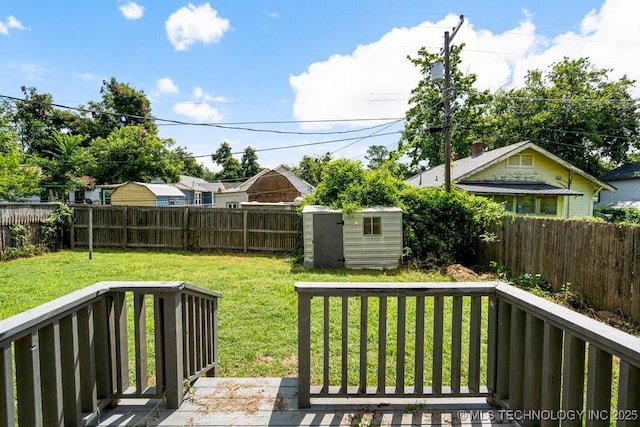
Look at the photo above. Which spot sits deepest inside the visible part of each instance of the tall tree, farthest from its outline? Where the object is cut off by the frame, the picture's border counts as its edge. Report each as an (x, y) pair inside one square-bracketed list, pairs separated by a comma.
[(131, 153), (573, 110), (422, 138), (231, 169), (249, 162), (121, 105), (377, 155), (187, 163), (18, 179), (311, 168), (64, 165)]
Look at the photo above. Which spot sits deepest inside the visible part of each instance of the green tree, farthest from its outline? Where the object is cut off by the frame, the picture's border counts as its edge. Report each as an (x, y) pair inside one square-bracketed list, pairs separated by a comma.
[(377, 155), (573, 110), (311, 168), (231, 168), (249, 165), (18, 179), (121, 105), (187, 164), (64, 165), (131, 153), (423, 137)]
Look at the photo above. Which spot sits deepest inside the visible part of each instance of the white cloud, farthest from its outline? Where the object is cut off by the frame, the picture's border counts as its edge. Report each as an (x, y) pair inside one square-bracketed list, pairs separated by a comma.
[(200, 94), (166, 85), (375, 80), (132, 10), (10, 23), (200, 111), (192, 24)]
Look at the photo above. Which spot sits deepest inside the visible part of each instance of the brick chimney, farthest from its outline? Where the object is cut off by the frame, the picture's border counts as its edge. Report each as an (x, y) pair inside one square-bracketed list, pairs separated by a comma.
[(477, 148)]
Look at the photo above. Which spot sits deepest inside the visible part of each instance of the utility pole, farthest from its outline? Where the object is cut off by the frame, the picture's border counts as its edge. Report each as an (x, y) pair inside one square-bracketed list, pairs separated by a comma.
[(447, 105)]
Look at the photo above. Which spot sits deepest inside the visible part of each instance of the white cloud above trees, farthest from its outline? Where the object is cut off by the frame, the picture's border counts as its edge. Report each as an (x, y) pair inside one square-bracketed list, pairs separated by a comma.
[(195, 24), (166, 85), (375, 80)]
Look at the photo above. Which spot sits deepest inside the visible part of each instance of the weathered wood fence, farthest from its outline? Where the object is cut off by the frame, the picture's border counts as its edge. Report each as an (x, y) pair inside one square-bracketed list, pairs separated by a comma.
[(28, 214), (186, 228), (600, 261)]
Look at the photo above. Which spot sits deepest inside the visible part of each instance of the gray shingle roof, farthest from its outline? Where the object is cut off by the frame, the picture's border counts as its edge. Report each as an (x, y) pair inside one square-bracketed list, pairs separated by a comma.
[(626, 171)]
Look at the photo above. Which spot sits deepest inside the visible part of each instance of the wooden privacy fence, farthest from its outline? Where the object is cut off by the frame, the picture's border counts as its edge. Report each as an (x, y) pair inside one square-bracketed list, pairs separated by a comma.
[(61, 363), (186, 228), (600, 261)]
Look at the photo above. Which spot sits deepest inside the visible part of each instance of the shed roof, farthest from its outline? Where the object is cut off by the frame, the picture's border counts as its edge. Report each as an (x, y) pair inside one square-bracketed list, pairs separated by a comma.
[(162, 189), (326, 209)]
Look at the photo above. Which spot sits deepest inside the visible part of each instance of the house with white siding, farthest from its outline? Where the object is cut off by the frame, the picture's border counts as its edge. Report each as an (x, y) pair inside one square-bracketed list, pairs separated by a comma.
[(626, 180), (525, 178)]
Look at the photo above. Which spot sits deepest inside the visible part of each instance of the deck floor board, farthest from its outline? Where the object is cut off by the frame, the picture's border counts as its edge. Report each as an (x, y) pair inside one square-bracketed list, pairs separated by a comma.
[(273, 402)]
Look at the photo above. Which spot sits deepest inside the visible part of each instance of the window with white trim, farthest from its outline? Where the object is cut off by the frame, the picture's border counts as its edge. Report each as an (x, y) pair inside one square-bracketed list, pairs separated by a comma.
[(372, 225)]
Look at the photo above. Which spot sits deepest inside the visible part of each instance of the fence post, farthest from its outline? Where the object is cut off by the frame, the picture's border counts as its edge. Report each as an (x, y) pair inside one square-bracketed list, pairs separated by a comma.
[(124, 227), (185, 228), (72, 232), (245, 242)]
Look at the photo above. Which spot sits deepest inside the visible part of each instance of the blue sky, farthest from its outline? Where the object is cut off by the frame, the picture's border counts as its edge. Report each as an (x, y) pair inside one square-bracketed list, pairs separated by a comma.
[(336, 70)]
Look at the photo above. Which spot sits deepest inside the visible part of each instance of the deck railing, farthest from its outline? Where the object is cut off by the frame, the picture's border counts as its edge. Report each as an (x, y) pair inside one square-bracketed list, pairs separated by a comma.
[(71, 355), (527, 355)]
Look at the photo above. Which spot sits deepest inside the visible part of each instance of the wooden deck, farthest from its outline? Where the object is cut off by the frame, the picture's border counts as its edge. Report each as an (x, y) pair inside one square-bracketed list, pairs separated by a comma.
[(274, 402)]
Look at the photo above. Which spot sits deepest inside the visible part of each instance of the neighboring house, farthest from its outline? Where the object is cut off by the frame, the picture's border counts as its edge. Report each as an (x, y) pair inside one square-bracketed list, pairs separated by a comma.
[(98, 195), (197, 190), (141, 194), (526, 178), (371, 238), (626, 180), (278, 185)]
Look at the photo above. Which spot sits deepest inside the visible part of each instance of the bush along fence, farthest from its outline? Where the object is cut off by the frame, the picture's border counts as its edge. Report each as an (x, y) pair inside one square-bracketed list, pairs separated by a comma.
[(186, 228), (599, 261)]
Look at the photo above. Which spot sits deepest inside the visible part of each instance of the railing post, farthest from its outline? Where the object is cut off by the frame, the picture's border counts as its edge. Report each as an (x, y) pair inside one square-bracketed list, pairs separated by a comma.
[(598, 386), (51, 374), (140, 329), (70, 369), (7, 411), (28, 381), (121, 342), (628, 394), (172, 344), (86, 342), (304, 350)]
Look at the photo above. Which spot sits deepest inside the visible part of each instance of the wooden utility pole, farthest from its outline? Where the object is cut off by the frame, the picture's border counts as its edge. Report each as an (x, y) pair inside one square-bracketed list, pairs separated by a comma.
[(447, 105)]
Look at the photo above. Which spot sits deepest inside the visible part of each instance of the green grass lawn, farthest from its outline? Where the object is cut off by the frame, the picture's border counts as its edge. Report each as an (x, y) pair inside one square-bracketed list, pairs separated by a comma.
[(257, 313)]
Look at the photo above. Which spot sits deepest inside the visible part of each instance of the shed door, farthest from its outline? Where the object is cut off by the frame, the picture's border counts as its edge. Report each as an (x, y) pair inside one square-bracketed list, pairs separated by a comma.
[(327, 241)]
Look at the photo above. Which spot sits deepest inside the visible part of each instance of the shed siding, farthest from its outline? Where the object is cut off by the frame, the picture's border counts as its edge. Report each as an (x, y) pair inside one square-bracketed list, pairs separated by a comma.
[(307, 232), (373, 251), (133, 195)]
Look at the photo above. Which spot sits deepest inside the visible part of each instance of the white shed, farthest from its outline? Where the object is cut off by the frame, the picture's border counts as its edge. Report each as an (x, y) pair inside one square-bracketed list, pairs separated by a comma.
[(371, 238)]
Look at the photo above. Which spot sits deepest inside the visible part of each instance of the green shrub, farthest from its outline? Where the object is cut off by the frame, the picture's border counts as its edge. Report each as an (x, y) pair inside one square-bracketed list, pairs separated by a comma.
[(439, 227), (55, 225), (20, 244), (618, 215)]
